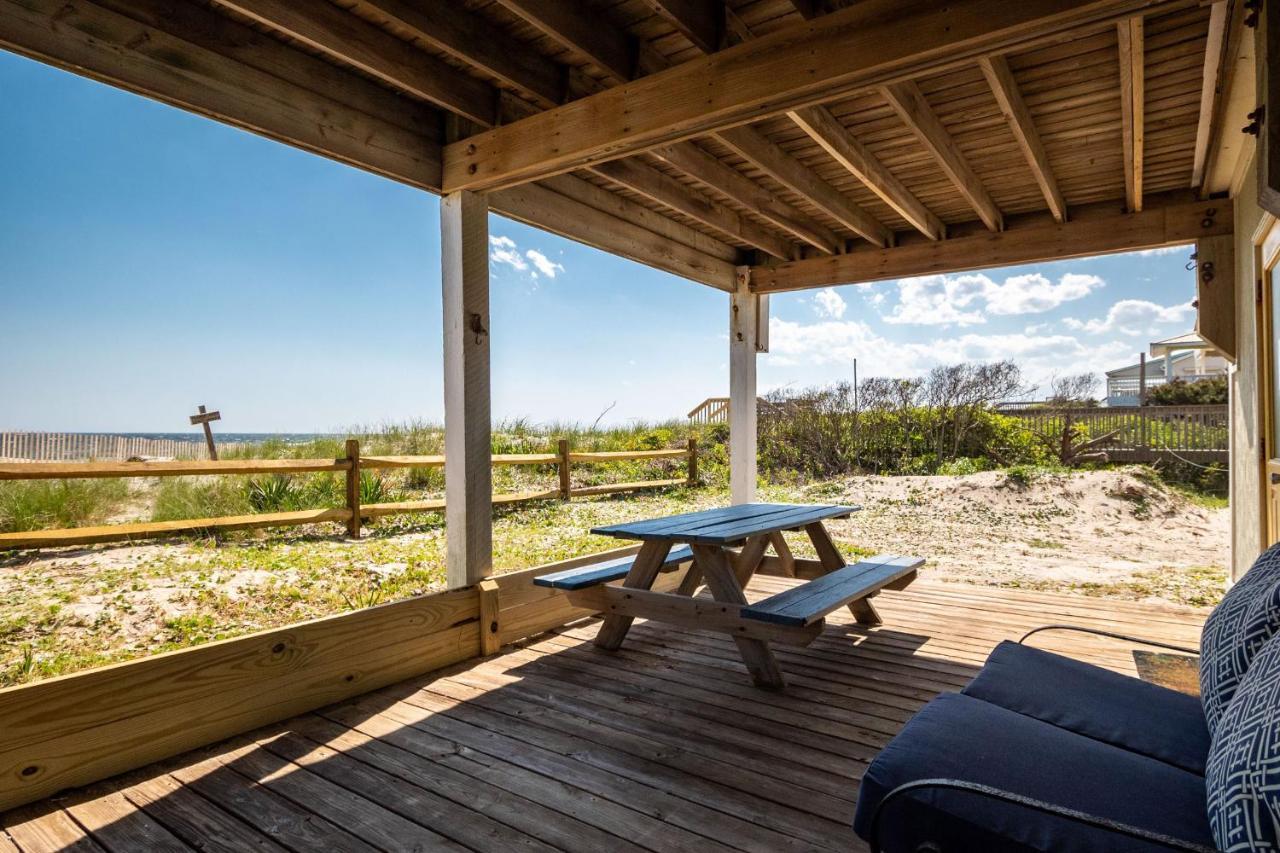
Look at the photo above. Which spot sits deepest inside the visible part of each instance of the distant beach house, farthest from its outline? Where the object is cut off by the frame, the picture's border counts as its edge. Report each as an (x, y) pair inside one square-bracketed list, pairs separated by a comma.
[(1185, 357)]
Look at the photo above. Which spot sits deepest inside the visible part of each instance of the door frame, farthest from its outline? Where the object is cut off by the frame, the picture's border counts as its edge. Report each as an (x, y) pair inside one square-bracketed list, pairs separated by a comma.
[(1266, 262)]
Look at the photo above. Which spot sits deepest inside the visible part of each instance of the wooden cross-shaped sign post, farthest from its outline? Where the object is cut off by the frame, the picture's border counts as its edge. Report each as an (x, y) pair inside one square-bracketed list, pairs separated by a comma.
[(203, 418)]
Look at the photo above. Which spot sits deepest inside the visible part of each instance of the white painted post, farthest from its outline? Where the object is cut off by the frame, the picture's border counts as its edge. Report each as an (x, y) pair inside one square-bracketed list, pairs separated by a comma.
[(744, 329), (464, 253)]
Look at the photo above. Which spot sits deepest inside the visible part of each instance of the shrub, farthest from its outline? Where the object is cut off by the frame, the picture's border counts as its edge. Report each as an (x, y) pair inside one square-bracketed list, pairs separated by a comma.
[(271, 494), (1202, 392), (963, 465), (51, 504), (200, 497)]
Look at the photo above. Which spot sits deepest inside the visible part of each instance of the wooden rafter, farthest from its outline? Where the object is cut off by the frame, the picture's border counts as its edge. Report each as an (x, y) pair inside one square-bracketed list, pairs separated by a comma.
[(1211, 86), (846, 51), (803, 181), (700, 21), (653, 184), (794, 175), (1131, 38), (400, 73), (700, 165), (909, 103), (335, 31), (1005, 88), (846, 150), (612, 49), (1091, 231), (808, 8), (478, 43)]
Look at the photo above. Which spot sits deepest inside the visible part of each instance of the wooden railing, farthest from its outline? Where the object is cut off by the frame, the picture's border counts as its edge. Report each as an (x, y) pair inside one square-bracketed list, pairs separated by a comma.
[(350, 515), (713, 410), (1142, 433)]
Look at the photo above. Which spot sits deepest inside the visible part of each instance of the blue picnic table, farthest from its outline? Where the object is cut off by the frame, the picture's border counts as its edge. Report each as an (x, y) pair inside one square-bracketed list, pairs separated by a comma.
[(724, 548)]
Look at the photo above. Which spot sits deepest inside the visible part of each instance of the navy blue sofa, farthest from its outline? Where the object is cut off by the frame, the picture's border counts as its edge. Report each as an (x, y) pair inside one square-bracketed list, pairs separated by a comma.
[(1040, 752)]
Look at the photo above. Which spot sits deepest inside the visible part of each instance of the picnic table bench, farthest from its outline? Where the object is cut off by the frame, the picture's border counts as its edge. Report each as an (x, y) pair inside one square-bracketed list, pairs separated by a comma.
[(707, 541)]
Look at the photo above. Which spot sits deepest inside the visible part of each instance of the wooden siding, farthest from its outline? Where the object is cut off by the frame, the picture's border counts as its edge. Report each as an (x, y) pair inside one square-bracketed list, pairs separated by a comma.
[(555, 745)]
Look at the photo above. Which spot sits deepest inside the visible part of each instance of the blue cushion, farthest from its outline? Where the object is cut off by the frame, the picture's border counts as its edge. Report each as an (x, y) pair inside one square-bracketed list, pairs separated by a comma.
[(959, 737), (1247, 617), (1243, 777), (1097, 703)]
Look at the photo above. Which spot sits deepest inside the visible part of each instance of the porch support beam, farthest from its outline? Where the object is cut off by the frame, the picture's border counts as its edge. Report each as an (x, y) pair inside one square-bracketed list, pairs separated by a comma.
[(1005, 88), (464, 253), (804, 182), (1211, 86), (826, 130), (1093, 230), (698, 164), (870, 44), (909, 103), (700, 21), (651, 183), (1131, 38), (744, 326)]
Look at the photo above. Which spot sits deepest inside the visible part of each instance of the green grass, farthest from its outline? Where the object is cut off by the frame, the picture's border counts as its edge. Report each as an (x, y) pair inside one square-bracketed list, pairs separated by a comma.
[(44, 504)]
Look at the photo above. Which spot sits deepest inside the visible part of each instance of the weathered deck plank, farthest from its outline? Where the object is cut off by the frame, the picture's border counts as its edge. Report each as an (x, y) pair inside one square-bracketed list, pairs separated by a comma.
[(557, 745)]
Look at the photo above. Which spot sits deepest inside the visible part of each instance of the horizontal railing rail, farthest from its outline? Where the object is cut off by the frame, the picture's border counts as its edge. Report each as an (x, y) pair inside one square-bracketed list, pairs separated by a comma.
[(350, 515)]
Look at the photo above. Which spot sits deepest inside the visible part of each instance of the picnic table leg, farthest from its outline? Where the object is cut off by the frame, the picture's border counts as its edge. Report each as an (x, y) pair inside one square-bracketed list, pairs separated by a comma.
[(691, 581), (641, 576), (724, 585), (786, 559), (829, 555), (749, 559)]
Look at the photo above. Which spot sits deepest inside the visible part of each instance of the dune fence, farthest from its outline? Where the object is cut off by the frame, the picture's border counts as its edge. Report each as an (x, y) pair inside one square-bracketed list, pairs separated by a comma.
[(351, 515)]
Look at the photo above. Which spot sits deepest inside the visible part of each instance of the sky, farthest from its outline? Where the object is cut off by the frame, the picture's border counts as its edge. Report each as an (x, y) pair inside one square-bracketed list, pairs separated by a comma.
[(152, 260)]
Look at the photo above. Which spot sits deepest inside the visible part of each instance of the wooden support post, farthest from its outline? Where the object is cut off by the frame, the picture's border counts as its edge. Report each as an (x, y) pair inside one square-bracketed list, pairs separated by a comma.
[(203, 418), (744, 324), (353, 488), (464, 251), (693, 462), (566, 482), (490, 630)]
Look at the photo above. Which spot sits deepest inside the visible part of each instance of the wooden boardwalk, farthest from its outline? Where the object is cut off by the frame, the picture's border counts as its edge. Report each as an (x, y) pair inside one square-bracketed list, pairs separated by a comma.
[(555, 745)]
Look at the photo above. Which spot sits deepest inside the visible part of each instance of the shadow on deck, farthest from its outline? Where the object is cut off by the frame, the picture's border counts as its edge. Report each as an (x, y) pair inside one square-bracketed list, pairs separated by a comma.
[(555, 745)]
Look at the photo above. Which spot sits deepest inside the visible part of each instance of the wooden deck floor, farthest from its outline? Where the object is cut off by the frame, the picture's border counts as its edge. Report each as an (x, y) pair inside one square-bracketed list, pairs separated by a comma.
[(554, 745)]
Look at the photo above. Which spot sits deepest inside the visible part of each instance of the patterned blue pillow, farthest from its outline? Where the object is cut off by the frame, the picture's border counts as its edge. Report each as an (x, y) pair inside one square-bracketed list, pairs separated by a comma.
[(1238, 627), (1242, 778)]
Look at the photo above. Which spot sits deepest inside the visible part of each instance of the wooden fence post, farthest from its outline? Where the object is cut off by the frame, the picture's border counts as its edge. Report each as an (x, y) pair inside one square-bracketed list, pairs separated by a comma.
[(693, 461), (566, 485), (489, 627), (353, 487)]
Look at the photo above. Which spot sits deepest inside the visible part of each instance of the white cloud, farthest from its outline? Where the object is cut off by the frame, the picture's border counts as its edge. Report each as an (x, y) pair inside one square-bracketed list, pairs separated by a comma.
[(1035, 294), (1165, 250), (965, 300), (545, 265), (502, 250), (1135, 317), (828, 303)]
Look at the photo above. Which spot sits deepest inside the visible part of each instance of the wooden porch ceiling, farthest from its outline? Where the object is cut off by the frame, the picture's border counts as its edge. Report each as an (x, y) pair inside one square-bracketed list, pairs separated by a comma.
[(577, 116), (555, 745)]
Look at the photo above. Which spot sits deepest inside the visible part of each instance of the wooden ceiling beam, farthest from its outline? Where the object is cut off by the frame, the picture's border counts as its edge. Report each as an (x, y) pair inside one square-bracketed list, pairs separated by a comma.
[(546, 208), (472, 39), (909, 103), (701, 166), (197, 60), (335, 31), (1132, 39), (608, 47), (808, 8), (700, 21), (1093, 231), (653, 184), (826, 130), (872, 43), (804, 182), (1211, 86), (1005, 88)]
